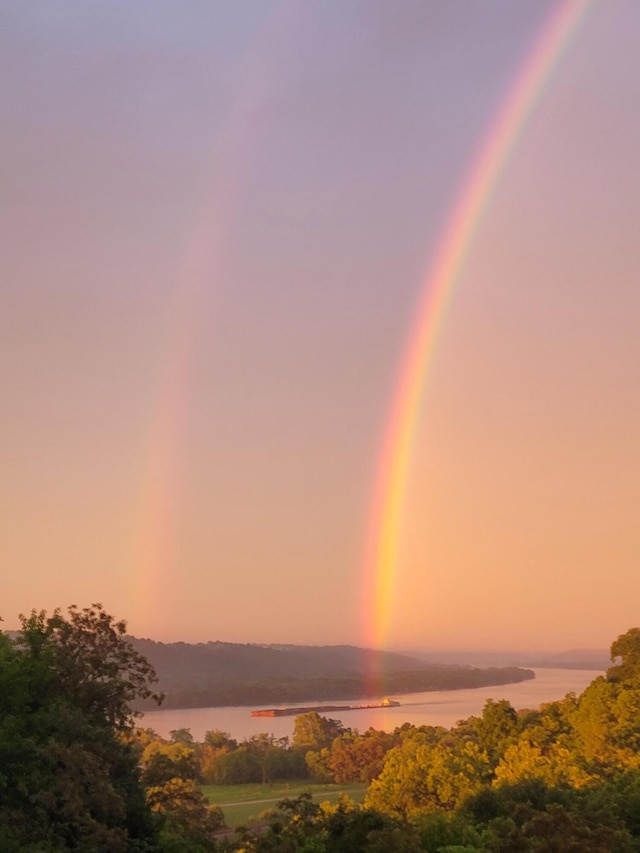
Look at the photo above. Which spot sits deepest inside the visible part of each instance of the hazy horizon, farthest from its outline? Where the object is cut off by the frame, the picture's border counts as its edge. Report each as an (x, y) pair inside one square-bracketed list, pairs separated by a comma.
[(452, 650), (218, 219)]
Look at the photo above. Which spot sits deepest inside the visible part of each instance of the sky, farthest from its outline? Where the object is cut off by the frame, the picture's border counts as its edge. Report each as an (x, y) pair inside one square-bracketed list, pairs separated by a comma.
[(218, 220)]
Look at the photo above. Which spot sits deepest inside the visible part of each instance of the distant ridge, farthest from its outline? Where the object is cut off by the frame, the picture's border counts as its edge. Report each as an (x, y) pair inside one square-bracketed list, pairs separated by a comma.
[(218, 673), (596, 659), (580, 659), (180, 662)]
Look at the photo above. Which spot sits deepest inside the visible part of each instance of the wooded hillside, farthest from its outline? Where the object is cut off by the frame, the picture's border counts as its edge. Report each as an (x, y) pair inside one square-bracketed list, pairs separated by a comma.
[(217, 673)]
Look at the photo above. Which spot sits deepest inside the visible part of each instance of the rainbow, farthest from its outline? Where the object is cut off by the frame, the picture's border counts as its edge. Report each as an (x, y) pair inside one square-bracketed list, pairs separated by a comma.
[(153, 575), (436, 293)]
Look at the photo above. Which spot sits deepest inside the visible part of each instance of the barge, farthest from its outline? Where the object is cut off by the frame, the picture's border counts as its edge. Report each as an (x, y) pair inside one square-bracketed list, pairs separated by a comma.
[(321, 709)]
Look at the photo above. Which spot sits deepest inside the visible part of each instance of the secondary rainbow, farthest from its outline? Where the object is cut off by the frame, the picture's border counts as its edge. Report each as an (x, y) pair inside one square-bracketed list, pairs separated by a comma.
[(437, 290), (154, 576)]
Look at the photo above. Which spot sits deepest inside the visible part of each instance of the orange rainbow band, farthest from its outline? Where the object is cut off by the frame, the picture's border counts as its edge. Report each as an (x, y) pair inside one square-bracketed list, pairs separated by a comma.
[(437, 290)]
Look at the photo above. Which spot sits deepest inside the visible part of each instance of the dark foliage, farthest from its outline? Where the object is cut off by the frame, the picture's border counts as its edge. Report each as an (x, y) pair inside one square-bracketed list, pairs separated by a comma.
[(68, 779)]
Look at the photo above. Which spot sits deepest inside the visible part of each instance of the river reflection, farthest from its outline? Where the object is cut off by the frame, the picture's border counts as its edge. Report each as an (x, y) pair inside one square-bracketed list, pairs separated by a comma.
[(438, 708)]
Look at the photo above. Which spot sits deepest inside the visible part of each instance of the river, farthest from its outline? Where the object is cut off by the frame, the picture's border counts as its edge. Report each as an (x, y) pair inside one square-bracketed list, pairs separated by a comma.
[(437, 708)]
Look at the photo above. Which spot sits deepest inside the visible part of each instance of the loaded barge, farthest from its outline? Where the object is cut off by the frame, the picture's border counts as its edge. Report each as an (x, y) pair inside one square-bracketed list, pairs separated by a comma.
[(320, 709)]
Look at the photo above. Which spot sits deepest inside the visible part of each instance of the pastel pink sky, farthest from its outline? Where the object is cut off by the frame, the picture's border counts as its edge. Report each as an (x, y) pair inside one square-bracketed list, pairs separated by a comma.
[(216, 222)]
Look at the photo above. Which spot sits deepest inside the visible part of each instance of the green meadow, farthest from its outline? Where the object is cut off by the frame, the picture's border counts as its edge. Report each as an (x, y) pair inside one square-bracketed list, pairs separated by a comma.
[(244, 803)]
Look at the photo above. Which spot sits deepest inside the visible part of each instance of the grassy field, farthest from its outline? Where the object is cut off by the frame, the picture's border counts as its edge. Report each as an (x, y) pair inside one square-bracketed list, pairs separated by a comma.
[(242, 803)]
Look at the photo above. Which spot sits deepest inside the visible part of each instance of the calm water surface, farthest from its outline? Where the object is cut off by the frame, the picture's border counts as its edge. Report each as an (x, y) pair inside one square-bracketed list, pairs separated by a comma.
[(438, 708)]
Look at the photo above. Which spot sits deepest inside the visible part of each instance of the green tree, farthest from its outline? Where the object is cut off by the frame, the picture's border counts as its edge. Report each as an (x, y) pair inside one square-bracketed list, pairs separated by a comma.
[(317, 763), (301, 826), (294, 827), (217, 739), (420, 777), (312, 731), (627, 648), (264, 749), (181, 736), (497, 728), (69, 776), (350, 828), (535, 818), (358, 758), (186, 812), (235, 767), (211, 753), (554, 765), (96, 668), (162, 761)]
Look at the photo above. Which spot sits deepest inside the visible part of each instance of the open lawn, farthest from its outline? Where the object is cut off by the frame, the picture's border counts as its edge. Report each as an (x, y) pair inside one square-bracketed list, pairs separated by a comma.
[(242, 803)]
